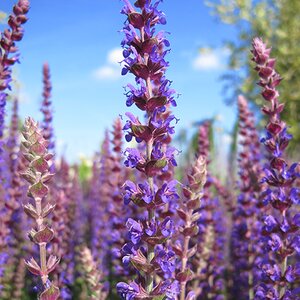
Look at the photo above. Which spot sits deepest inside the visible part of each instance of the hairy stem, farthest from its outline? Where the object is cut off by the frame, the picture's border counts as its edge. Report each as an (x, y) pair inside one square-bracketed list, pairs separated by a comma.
[(42, 246)]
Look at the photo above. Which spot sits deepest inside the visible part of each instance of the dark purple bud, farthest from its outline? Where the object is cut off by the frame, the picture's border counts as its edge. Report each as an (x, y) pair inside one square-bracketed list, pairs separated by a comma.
[(136, 20)]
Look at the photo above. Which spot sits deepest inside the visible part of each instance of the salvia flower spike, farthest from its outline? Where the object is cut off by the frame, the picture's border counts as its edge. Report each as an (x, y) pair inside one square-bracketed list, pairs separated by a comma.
[(189, 214), (208, 261), (8, 57), (144, 56), (245, 238), (9, 52), (38, 175), (281, 226), (46, 108)]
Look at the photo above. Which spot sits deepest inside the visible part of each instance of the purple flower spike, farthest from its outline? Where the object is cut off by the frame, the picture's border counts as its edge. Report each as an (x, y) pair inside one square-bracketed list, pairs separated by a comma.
[(46, 108), (9, 55), (144, 53), (281, 241)]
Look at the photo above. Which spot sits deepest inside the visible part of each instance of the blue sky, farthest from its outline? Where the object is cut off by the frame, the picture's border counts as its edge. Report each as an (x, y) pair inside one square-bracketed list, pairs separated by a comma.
[(80, 40)]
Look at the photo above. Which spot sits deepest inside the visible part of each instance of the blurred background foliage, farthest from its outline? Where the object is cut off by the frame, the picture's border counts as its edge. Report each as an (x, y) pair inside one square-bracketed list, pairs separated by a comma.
[(277, 22), (2, 17)]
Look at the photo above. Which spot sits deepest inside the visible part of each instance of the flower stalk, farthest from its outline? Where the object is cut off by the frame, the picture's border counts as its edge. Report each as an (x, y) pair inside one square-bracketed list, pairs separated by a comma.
[(46, 108), (9, 52), (189, 214), (38, 176), (281, 224), (144, 56)]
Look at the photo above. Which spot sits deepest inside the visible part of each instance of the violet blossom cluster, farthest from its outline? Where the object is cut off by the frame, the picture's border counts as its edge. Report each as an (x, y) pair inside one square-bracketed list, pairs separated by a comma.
[(144, 57), (101, 223), (63, 219), (282, 223), (13, 214), (46, 108), (118, 212), (9, 52), (246, 232), (8, 57)]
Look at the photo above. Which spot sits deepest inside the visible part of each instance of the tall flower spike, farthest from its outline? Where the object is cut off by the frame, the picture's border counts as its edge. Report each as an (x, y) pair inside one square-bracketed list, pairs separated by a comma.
[(281, 227), (61, 244), (118, 212), (101, 222), (246, 234), (46, 108), (38, 175), (203, 139), (8, 52), (144, 53), (13, 210), (189, 214), (12, 148), (208, 262), (74, 220), (8, 57)]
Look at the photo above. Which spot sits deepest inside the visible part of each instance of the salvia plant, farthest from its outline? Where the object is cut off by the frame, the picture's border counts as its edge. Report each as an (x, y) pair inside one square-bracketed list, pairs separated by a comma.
[(281, 223), (245, 239), (129, 223), (147, 250), (9, 52), (46, 108), (38, 175)]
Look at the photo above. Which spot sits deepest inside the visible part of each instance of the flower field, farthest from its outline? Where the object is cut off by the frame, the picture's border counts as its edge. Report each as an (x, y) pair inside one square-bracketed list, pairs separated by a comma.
[(146, 224)]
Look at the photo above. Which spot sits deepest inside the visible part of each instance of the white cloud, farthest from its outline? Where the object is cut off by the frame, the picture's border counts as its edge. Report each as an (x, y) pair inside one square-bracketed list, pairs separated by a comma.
[(107, 73), (111, 70), (209, 59), (115, 56)]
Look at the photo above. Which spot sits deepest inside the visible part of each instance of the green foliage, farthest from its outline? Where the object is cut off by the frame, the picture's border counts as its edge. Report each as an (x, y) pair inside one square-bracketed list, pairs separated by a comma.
[(277, 22), (84, 170)]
